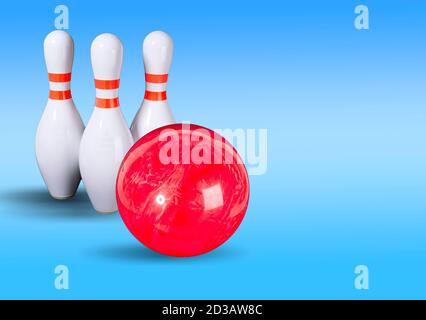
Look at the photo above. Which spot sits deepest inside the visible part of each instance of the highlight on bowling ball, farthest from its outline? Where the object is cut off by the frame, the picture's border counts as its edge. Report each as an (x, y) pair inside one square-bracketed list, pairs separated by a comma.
[(182, 190)]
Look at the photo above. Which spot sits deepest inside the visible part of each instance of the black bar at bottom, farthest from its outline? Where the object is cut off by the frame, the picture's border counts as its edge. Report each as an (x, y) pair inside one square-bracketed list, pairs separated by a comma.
[(202, 309)]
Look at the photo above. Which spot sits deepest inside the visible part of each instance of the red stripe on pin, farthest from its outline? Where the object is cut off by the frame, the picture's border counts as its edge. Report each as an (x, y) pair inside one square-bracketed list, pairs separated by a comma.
[(107, 103), (155, 96), (59, 77), (107, 84), (156, 78), (60, 95)]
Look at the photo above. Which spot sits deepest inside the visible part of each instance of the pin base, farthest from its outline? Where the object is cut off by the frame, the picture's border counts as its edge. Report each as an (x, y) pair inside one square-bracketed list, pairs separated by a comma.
[(106, 212), (62, 198)]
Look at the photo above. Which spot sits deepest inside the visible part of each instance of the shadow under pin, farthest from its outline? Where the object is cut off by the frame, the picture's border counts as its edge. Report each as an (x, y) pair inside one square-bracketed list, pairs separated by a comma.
[(37, 203)]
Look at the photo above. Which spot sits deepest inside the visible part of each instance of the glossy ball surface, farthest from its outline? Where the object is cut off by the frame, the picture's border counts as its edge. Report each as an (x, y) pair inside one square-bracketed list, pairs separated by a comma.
[(182, 190)]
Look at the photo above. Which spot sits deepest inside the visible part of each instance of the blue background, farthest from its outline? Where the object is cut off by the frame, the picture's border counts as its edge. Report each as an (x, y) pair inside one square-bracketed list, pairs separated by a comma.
[(346, 119)]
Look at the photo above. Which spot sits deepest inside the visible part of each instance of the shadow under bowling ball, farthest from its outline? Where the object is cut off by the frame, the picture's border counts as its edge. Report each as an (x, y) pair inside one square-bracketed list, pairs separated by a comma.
[(131, 252), (37, 203)]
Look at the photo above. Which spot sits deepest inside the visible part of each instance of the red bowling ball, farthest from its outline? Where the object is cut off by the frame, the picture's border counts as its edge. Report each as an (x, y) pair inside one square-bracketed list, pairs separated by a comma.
[(182, 190)]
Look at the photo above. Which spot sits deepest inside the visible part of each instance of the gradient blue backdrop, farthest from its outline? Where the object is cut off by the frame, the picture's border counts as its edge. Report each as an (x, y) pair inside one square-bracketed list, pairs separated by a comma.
[(346, 118)]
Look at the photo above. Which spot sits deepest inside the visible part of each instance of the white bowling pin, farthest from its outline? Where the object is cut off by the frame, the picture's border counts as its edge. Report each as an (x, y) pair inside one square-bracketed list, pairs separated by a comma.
[(107, 137), (60, 129), (155, 111)]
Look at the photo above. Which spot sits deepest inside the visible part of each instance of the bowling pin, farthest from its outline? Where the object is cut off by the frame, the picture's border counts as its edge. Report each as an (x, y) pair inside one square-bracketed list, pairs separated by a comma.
[(157, 50), (107, 137), (60, 129)]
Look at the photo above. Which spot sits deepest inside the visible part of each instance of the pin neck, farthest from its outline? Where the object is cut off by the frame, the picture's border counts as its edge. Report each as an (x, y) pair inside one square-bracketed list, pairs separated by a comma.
[(156, 87), (59, 86), (107, 93)]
